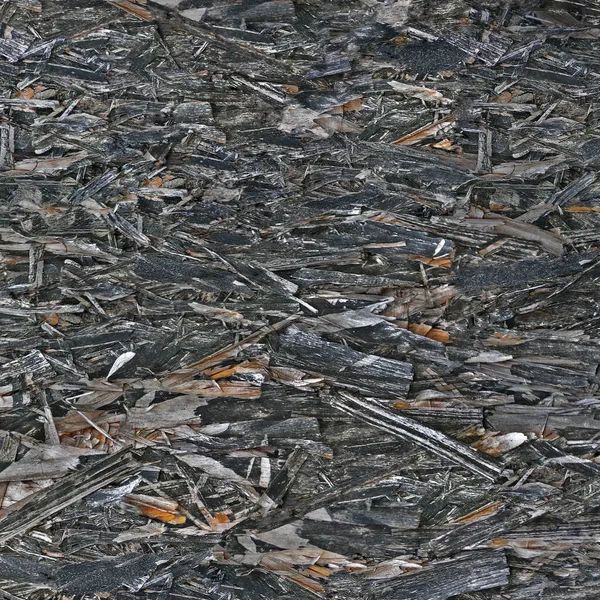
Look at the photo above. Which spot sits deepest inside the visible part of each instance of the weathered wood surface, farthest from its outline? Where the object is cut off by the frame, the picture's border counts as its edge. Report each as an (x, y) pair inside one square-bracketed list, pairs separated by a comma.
[(299, 298)]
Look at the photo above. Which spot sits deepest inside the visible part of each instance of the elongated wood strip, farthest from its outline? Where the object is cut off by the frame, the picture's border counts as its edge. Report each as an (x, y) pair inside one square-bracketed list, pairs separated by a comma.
[(428, 438), (38, 507)]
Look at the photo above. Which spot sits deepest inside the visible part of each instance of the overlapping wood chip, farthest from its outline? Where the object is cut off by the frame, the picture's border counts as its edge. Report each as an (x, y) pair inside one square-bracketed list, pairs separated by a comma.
[(299, 299)]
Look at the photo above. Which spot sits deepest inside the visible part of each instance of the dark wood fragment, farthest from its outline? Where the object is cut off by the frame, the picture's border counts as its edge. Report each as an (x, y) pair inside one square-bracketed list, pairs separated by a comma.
[(299, 299)]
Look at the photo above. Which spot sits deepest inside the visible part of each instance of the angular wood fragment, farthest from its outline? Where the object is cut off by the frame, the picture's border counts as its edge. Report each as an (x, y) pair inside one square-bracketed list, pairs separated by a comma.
[(467, 573), (38, 507), (299, 299), (345, 367), (430, 439)]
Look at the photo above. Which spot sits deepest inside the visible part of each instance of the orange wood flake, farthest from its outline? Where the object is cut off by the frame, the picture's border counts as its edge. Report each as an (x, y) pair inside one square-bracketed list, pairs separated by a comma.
[(133, 8), (499, 542), (582, 209), (480, 513), (219, 522), (155, 182), (503, 98), (447, 145), (439, 335), (245, 367), (435, 262), (52, 319), (26, 93), (305, 582), (161, 509), (353, 105), (402, 404), (425, 132), (497, 206), (316, 571), (162, 515)]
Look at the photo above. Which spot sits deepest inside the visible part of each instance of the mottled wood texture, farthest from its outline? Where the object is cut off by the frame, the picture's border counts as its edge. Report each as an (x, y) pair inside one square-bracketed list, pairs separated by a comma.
[(299, 298)]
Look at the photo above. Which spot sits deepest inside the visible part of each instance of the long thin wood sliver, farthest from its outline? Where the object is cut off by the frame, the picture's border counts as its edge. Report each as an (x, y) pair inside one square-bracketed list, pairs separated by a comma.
[(226, 351), (411, 430), (43, 504)]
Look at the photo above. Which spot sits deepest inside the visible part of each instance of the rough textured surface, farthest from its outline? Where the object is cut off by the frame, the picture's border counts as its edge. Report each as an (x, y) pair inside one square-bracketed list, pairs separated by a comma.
[(299, 298)]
